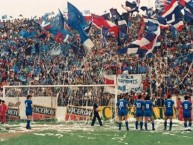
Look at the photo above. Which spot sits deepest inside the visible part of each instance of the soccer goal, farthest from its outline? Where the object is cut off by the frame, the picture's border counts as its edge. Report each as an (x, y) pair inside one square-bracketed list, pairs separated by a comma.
[(69, 103)]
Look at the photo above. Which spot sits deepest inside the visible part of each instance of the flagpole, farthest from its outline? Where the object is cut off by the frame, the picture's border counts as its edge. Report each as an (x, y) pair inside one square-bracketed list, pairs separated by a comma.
[(150, 73), (166, 69), (116, 87)]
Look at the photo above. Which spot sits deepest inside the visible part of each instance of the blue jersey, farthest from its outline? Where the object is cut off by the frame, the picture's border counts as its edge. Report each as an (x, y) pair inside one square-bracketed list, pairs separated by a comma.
[(148, 112), (122, 104), (187, 106), (122, 107), (169, 107), (28, 105), (139, 108), (169, 104), (148, 105), (139, 105)]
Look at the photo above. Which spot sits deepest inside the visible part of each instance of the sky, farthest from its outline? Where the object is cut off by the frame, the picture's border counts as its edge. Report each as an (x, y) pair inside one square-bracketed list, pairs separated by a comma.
[(31, 8)]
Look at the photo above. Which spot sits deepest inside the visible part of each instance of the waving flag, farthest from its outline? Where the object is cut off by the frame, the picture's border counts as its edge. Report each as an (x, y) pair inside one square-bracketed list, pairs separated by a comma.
[(4, 17), (173, 16), (122, 24), (106, 16), (61, 20), (75, 17), (77, 21), (100, 22), (132, 7), (115, 15), (145, 44), (188, 9)]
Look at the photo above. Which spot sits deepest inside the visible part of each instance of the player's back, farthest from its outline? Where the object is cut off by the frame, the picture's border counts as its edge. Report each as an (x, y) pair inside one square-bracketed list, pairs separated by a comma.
[(122, 104), (139, 105), (186, 105), (148, 105), (169, 104), (28, 104)]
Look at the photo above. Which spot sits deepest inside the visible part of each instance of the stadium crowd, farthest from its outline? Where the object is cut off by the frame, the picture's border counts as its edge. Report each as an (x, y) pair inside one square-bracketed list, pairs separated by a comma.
[(42, 60)]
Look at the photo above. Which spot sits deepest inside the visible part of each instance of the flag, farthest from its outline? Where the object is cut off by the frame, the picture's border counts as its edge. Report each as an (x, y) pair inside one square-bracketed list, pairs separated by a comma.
[(4, 17), (144, 8), (61, 20), (122, 24), (173, 15), (115, 15), (151, 25), (106, 16), (75, 17), (100, 22), (109, 79), (125, 16), (46, 25), (77, 22), (88, 27), (188, 16), (132, 7), (188, 9), (145, 44)]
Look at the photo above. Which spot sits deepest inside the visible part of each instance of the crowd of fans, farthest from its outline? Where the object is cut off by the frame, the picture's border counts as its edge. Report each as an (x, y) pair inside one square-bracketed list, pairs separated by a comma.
[(43, 61)]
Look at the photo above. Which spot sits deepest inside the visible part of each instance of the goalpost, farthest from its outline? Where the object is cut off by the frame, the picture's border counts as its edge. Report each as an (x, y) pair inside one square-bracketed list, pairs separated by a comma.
[(61, 102)]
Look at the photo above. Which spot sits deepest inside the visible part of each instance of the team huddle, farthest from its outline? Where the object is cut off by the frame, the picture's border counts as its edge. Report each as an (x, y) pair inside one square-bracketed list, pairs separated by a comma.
[(144, 112)]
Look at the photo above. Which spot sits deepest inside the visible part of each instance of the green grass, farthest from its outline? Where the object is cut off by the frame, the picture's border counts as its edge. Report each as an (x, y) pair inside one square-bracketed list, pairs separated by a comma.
[(100, 136)]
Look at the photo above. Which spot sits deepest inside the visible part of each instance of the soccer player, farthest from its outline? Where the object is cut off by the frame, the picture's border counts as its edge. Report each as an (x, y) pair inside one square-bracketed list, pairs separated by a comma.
[(187, 107), (28, 110), (96, 113), (148, 112), (139, 106), (169, 107), (3, 109), (122, 110)]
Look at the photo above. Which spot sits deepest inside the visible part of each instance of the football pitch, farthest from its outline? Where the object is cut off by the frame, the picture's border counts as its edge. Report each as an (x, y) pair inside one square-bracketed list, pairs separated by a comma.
[(77, 134)]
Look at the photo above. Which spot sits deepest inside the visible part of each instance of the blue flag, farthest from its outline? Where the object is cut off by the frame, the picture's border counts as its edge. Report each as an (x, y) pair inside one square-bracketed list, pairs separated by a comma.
[(77, 21), (4, 17), (61, 20), (75, 17)]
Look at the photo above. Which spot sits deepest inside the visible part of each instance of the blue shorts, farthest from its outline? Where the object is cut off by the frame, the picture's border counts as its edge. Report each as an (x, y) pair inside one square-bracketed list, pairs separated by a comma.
[(169, 113), (122, 112), (148, 113), (186, 114), (139, 113), (28, 112)]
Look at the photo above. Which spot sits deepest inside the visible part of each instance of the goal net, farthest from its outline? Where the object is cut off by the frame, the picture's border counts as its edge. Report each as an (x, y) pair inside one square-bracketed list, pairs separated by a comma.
[(69, 103)]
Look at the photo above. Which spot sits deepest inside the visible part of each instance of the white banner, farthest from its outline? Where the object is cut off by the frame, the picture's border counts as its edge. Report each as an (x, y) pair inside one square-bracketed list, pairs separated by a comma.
[(129, 82)]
